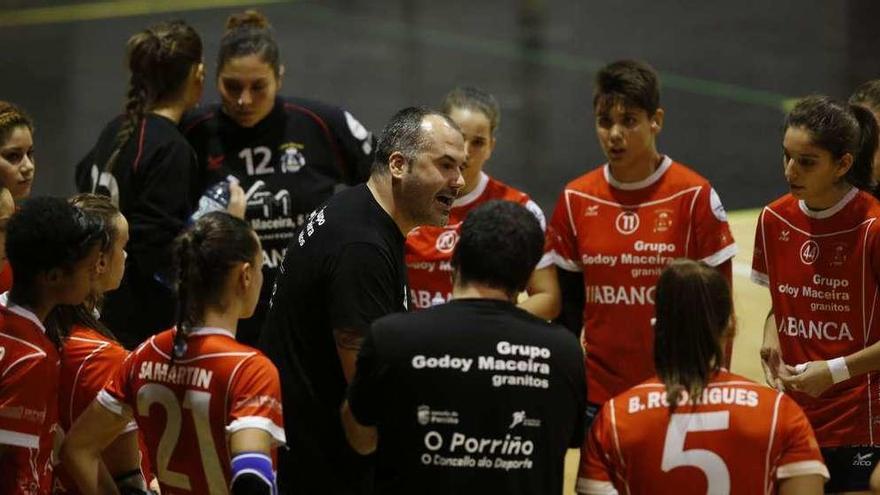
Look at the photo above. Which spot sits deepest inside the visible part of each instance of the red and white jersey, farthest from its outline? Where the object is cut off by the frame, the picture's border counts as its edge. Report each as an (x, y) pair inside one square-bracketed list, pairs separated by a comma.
[(5, 277), (621, 236), (822, 269), (429, 249), (187, 408), (740, 437), (28, 402), (88, 361)]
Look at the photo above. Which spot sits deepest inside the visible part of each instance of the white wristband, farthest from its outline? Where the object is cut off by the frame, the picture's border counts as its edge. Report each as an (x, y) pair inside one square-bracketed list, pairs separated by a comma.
[(838, 369)]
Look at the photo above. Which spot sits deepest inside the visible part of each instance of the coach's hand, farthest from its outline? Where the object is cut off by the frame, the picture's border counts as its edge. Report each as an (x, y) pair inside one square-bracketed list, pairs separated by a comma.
[(812, 378)]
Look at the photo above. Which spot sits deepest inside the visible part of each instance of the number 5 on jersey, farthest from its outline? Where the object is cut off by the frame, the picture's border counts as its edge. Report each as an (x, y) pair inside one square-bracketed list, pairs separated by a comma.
[(710, 463)]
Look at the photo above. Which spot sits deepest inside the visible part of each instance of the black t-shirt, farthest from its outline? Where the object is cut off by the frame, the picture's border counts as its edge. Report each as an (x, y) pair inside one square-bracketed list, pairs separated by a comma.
[(288, 164), (474, 396), (156, 181), (157, 184), (343, 269)]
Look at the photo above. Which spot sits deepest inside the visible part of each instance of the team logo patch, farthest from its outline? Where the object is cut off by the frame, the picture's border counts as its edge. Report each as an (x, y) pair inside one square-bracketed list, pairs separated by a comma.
[(292, 160), (717, 207), (519, 418), (809, 252), (662, 220), (446, 241), (423, 415), (839, 255), (627, 222), (592, 211), (863, 460), (785, 235)]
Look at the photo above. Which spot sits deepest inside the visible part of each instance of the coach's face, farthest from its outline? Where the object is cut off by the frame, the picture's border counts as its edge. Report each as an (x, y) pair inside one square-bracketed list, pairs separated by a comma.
[(432, 180)]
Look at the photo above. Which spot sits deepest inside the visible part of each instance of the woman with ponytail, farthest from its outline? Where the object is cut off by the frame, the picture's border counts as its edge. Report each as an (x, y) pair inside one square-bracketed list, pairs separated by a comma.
[(90, 354), (732, 435), (217, 400), (818, 250), (289, 154), (144, 164)]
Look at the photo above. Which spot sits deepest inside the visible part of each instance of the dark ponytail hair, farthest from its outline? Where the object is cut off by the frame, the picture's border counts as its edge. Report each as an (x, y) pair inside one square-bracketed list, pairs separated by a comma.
[(840, 128), (203, 256), (249, 33), (63, 317), (159, 60), (693, 310), (47, 233)]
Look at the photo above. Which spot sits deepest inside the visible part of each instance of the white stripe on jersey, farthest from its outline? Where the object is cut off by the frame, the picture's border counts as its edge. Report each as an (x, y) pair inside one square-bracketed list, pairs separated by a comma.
[(17, 439)]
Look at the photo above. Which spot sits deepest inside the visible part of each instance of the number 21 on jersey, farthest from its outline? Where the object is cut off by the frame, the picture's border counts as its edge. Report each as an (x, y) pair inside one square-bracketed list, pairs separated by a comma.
[(198, 404)]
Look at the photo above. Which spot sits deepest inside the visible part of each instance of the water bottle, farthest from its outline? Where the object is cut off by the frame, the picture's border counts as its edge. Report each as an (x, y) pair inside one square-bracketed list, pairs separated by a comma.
[(215, 198)]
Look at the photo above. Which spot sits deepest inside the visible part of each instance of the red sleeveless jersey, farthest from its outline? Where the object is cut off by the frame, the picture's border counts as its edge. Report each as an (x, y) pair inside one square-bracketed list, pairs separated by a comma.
[(621, 236), (429, 249), (822, 269), (28, 402), (740, 437), (186, 409)]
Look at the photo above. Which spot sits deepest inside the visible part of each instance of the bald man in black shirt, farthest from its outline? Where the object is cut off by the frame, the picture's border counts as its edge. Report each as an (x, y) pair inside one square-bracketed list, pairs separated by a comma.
[(343, 269)]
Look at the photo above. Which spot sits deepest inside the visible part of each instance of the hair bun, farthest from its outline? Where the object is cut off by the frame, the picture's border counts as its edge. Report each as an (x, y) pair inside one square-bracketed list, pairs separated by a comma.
[(247, 19)]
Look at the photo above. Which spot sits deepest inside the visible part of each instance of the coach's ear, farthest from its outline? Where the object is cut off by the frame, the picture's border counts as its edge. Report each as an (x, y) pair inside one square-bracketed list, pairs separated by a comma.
[(398, 165)]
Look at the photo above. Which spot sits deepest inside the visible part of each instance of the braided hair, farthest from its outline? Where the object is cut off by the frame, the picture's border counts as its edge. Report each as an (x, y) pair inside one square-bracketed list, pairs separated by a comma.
[(159, 60), (203, 256), (11, 118)]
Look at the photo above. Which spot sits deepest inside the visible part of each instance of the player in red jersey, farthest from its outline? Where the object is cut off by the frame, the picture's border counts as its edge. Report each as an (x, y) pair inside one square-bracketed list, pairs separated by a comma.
[(90, 353), (16, 165), (818, 250), (209, 407), (53, 248), (616, 227), (429, 249), (695, 424)]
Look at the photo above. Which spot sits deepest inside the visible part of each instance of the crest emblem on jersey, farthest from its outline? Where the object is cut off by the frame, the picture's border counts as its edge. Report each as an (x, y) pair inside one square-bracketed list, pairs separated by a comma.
[(423, 415), (809, 252), (627, 222), (446, 241), (839, 255), (662, 220), (292, 160)]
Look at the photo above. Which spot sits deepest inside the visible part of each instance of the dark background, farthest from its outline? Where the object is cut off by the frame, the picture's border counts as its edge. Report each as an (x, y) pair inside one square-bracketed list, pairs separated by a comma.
[(726, 68)]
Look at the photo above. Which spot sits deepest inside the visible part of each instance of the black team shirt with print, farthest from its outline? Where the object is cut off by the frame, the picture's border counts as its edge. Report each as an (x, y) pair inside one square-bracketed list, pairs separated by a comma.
[(343, 269), (472, 396)]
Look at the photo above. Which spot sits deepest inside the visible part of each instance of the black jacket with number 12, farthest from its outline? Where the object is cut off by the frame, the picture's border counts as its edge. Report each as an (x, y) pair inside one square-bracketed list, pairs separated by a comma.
[(288, 164)]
